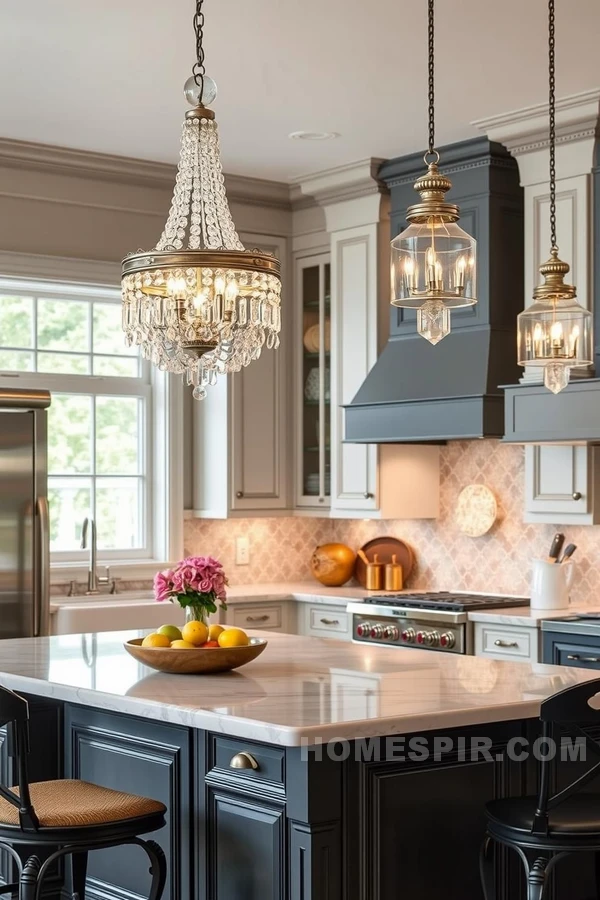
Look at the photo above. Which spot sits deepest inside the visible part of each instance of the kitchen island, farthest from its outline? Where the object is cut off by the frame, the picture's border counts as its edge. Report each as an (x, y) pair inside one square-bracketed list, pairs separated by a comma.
[(364, 770)]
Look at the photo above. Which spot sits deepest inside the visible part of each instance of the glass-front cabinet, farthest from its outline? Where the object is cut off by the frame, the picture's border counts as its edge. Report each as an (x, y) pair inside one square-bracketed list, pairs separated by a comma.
[(313, 381)]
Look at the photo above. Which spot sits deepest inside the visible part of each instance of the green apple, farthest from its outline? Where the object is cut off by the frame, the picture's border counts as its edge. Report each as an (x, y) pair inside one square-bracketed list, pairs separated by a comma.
[(170, 631)]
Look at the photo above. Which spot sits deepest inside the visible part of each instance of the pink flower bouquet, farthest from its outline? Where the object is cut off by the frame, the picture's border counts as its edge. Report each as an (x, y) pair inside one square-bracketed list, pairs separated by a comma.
[(197, 581)]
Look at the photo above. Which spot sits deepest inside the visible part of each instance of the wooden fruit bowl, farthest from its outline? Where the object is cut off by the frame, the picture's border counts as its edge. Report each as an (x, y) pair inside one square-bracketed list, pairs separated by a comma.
[(195, 662)]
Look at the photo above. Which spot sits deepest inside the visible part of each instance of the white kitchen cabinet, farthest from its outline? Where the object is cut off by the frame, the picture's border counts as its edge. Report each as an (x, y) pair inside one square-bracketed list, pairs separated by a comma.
[(240, 431), (356, 480), (560, 480), (276, 615), (562, 484), (509, 642), (318, 620)]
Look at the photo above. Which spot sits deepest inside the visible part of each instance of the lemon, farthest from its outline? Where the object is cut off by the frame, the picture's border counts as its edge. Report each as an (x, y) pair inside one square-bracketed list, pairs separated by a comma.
[(170, 631), (182, 645), (233, 637), (156, 640), (195, 633), (214, 631)]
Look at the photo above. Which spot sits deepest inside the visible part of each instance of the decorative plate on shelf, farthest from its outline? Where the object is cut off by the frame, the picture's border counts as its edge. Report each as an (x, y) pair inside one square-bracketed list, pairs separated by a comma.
[(312, 338), (476, 510)]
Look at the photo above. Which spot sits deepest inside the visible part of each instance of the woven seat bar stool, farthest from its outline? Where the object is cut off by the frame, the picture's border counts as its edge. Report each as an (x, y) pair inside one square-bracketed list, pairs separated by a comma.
[(546, 828), (73, 816)]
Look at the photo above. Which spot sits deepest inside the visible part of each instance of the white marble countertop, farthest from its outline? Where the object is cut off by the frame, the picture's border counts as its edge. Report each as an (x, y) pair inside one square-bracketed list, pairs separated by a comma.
[(300, 689), (525, 616)]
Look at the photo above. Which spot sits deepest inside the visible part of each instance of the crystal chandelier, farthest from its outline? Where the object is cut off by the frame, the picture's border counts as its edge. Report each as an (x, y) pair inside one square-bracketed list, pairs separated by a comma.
[(433, 263), (199, 304), (555, 332)]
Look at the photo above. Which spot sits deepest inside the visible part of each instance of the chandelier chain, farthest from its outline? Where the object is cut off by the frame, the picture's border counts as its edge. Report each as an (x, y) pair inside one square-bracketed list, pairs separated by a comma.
[(198, 70), (431, 84), (552, 122)]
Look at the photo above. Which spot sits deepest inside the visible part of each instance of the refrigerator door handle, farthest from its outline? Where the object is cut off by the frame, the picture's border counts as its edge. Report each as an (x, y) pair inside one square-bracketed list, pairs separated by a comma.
[(41, 607)]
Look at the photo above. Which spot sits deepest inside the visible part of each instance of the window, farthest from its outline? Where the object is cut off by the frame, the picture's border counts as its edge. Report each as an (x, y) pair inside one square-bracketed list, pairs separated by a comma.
[(69, 340)]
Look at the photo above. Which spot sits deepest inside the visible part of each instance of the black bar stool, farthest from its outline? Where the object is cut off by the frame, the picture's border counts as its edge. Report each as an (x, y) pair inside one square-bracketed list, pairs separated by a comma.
[(74, 816), (543, 829)]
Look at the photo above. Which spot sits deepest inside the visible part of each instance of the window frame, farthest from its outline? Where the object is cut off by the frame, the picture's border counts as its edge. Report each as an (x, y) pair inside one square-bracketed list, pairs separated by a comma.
[(163, 523)]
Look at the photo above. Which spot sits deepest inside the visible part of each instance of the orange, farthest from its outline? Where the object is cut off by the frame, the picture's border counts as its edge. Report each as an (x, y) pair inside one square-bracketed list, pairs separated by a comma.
[(210, 644), (156, 640), (195, 633), (233, 637), (182, 645), (214, 631)]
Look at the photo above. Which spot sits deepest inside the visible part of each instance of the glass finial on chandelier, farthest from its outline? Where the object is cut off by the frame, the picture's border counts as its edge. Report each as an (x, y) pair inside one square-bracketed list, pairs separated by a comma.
[(199, 304), (555, 332), (433, 261)]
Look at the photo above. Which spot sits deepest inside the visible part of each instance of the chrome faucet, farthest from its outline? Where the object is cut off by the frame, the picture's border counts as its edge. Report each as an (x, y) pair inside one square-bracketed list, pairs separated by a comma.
[(94, 580)]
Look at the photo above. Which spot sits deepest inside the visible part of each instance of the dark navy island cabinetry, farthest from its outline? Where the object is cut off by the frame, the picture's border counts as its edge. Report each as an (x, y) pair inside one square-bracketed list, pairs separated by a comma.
[(299, 826)]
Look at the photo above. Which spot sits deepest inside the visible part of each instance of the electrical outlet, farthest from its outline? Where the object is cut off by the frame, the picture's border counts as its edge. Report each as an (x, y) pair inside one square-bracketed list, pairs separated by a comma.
[(242, 551)]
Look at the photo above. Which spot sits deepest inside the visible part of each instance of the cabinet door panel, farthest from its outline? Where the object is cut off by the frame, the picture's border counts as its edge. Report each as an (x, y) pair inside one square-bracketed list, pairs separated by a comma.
[(558, 483), (246, 845), (144, 758), (354, 351), (258, 436)]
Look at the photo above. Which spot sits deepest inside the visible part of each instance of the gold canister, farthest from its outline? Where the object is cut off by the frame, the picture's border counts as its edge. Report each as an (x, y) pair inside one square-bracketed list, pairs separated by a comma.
[(374, 574), (393, 575)]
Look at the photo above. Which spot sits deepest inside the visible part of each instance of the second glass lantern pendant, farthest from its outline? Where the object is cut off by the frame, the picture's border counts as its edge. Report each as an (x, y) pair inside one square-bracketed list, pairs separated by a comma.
[(433, 262), (555, 332)]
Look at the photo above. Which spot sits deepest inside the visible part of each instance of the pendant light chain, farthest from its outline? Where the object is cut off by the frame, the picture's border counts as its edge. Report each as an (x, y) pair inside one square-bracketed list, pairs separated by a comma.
[(198, 69), (552, 118), (431, 64)]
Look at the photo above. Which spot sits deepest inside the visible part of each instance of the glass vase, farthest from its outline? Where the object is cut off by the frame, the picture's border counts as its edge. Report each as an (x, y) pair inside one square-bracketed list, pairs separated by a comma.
[(196, 613)]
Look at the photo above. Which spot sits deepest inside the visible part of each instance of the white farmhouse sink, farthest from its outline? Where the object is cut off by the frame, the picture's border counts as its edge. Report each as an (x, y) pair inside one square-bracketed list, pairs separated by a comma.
[(120, 612)]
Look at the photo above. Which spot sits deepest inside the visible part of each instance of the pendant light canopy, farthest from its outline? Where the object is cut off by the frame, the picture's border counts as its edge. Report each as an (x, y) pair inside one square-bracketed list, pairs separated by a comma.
[(555, 332), (433, 263), (199, 304)]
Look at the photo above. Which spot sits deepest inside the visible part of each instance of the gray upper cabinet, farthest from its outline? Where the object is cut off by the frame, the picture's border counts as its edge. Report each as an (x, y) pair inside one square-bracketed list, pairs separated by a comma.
[(240, 431)]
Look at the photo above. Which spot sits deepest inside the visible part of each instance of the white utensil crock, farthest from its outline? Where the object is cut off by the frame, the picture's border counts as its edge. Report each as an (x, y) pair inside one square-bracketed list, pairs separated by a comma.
[(551, 584)]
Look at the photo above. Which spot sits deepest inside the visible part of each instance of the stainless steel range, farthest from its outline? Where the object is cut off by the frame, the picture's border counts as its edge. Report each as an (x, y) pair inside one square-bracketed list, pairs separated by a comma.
[(429, 621)]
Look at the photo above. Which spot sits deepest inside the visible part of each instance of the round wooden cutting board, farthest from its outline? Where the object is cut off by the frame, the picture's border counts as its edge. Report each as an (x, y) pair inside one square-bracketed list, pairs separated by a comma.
[(385, 548)]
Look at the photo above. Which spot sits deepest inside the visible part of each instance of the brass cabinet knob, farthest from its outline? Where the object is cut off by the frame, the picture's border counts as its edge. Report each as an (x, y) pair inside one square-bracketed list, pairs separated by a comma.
[(577, 495), (321, 499), (239, 495), (243, 760), (368, 495)]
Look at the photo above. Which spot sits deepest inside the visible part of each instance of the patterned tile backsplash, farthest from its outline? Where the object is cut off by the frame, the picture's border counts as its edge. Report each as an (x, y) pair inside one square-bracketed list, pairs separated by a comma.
[(280, 549)]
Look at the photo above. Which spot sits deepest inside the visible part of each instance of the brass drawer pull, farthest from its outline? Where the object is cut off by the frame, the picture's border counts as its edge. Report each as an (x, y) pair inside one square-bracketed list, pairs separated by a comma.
[(589, 659), (264, 618), (243, 760), (330, 621), (500, 643)]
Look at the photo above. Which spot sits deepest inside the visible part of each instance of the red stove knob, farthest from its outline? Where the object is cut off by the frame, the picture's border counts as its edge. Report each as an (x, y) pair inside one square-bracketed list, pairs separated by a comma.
[(408, 636), (364, 629), (391, 633), (425, 638), (377, 631), (447, 640)]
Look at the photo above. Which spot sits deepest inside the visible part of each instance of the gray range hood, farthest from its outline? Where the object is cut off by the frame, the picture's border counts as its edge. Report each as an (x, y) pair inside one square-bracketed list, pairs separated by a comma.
[(416, 392)]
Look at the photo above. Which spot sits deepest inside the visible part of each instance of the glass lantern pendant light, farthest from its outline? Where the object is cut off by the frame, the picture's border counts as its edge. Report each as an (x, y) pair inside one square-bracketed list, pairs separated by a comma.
[(555, 332), (433, 262), (199, 304)]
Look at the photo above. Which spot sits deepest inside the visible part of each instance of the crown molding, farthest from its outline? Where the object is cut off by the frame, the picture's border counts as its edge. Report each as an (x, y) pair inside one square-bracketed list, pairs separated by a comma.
[(526, 130), (347, 182), (59, 268), (126, 170)]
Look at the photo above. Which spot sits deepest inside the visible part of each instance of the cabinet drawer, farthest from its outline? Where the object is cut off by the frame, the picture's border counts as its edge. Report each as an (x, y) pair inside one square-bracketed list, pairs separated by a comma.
[(269, 761), (576, 655), (506, 643), (328, 619), (268, 616)]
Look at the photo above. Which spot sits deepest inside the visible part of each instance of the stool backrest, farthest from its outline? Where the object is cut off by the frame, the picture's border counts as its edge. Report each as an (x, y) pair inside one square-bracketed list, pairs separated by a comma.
[(567, 714), (14, 713)]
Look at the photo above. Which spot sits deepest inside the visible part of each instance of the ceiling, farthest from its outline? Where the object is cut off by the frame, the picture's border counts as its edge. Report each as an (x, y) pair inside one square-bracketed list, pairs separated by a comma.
[(108, 76)]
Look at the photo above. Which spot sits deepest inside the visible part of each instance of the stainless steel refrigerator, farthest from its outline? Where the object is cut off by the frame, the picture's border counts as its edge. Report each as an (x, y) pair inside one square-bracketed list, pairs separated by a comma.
[(24, 523)]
